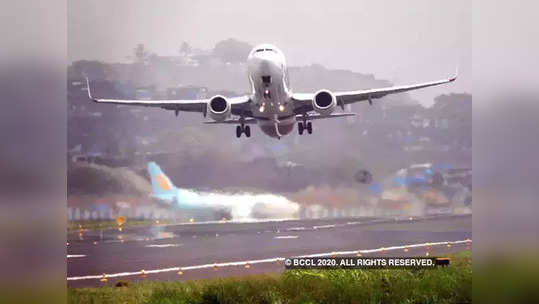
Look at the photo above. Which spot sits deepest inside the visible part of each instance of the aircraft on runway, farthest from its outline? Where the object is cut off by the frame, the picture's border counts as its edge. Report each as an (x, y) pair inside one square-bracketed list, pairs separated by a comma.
[(164, 190), (435, 185), (272, 104), (235, 205)]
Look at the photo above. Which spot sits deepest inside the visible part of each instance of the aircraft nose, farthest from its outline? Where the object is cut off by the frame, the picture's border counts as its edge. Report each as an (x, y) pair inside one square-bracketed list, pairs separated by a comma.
[(267, 61)]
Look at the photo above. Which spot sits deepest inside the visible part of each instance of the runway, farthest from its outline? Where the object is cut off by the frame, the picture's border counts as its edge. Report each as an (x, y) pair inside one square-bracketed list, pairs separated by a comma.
[(203, 250)]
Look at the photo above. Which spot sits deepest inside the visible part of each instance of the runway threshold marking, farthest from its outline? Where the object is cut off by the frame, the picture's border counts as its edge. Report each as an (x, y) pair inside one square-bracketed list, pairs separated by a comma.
[(270, 260)]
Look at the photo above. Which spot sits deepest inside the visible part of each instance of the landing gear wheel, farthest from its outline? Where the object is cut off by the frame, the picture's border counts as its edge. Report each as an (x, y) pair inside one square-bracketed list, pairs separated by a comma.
[(300, 128), (247, 131), (310, 127), (238, 132)]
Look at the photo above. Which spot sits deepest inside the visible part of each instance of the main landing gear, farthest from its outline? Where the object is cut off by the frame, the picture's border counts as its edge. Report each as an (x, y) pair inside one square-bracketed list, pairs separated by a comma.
[(243, 129), (302, 126)]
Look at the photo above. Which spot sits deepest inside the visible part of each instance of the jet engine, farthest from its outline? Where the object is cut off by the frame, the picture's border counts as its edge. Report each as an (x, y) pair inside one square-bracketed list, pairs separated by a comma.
[(219, 108), (324, 102)]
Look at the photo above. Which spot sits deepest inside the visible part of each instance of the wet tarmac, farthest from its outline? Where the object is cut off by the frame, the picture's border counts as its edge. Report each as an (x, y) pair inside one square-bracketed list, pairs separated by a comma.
[(196, 247)]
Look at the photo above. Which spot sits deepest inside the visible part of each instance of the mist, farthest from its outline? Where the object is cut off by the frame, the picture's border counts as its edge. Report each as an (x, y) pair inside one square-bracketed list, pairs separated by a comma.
[(421, 42), (241, 206)]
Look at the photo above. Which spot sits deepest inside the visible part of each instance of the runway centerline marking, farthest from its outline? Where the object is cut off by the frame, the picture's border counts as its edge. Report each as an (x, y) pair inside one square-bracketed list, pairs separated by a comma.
[(286, 237), (69, 256), (296, 229), (270, 260), (163, 245), (324, 227)]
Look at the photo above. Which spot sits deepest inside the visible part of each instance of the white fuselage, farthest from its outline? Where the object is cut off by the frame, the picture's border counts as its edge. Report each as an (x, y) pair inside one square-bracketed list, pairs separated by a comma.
[(271, 96)]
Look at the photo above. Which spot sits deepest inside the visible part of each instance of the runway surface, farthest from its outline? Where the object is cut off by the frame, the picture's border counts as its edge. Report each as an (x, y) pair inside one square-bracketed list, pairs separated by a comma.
[(250, 248)]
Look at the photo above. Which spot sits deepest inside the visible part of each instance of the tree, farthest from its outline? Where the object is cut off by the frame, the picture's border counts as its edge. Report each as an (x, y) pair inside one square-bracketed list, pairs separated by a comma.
[(140, 52), (232, 50), (185, 48), (94, 70)]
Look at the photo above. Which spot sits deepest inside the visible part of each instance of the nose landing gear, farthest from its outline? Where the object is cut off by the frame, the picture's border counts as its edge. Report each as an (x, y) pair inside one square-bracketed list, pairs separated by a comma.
[(243, 129)]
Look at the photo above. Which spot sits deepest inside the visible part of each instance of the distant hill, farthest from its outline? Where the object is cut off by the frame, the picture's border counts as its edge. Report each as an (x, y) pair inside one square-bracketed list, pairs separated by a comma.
[(393, 133), (222, 68)]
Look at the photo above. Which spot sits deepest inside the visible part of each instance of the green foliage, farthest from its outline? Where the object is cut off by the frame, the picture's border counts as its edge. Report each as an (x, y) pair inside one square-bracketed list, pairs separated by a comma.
[(232, 50), (451, 284), (88, 179), (509, 277), (73, 226)]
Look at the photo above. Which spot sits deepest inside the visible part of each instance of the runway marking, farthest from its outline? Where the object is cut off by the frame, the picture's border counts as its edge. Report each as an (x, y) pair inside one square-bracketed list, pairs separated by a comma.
[(251, 262), (324, 227), (286, 237), (238, 221), (383, 249), (120, 241), (163, 245), (296, 229), (69, 256), (125, 274)]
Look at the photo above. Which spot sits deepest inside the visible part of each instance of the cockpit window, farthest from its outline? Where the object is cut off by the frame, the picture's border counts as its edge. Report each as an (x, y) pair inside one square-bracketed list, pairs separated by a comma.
[(262, 50)]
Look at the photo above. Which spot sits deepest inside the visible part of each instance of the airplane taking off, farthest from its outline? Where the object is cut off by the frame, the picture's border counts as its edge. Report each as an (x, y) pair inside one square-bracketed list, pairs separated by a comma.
[(272, 104)]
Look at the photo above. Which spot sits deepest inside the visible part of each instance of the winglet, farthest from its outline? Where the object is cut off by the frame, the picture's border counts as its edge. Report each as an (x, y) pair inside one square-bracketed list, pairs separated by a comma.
[(88, 88), (456, 75)]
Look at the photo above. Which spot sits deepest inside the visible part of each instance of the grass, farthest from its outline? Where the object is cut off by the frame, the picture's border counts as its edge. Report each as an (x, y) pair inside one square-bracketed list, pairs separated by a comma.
[(451, 284), (111, 224), (508, 277)]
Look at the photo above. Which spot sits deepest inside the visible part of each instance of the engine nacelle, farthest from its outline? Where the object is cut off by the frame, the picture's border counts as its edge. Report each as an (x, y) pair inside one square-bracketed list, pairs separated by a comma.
[(219, 108), (324, 102)]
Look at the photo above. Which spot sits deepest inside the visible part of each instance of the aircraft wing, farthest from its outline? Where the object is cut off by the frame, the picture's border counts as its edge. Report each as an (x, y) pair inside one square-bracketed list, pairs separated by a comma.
[(304, 101), (238, 104)]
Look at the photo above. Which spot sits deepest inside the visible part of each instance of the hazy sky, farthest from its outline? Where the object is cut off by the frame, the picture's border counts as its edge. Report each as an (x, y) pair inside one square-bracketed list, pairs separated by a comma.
[(402, 41)]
